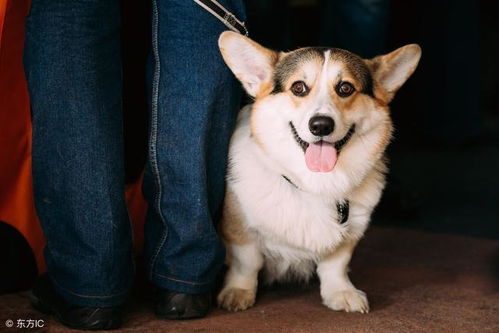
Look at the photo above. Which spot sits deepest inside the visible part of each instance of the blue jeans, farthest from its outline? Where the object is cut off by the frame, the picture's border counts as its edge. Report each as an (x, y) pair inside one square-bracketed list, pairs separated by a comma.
[(73, 68)]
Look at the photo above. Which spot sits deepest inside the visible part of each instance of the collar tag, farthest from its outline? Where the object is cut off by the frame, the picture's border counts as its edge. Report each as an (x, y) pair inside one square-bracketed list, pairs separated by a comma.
[(343, 209)]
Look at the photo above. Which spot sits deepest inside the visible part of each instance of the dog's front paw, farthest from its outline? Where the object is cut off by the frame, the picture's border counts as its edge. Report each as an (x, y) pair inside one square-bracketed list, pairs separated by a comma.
[(236, 299), (349, 300)]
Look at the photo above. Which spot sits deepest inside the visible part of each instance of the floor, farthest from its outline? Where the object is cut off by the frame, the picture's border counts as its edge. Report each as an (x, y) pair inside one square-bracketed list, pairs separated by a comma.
[(416, 282), (448, 189), (419, 273)]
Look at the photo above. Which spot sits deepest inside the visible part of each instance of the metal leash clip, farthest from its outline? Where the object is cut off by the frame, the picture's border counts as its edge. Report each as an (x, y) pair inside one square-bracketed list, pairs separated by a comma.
[(225, 16)]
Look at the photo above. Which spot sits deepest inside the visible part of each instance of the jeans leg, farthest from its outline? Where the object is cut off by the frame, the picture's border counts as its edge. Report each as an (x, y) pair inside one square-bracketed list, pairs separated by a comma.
[(73, 68), (356, 25), (194, 104)]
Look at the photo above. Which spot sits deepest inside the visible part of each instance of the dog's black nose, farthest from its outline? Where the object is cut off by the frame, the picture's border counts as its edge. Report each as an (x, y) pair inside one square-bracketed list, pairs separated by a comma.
[(321, 125)]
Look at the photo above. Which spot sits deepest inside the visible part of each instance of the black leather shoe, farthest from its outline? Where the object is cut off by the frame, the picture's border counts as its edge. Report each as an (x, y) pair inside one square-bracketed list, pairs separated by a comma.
[(172, 305), (45, 299)]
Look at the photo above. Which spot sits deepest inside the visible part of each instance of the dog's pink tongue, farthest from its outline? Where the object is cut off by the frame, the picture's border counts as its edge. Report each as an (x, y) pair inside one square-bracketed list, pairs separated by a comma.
[(321, 156)]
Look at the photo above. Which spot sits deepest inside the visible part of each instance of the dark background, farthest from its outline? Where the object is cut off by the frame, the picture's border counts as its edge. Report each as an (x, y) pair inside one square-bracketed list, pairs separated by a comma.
[(445, 155)]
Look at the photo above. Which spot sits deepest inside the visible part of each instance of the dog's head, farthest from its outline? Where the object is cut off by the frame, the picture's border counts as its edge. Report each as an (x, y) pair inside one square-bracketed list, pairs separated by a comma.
[(313, 105)]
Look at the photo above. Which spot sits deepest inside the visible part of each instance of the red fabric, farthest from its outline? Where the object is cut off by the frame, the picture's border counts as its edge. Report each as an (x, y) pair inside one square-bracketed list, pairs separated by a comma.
[(16, 190)]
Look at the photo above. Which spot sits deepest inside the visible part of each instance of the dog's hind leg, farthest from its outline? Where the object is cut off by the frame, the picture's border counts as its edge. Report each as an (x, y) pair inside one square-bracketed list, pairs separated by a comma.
[(241, 281), (337, 292)]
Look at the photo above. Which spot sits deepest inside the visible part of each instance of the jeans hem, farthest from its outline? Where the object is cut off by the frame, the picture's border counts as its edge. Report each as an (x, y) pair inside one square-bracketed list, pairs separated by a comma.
[(182, 286), (80, 299)]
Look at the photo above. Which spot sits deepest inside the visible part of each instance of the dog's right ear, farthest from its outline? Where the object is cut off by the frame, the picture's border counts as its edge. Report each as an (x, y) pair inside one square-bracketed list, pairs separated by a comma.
[(391, 70), (250, 62)]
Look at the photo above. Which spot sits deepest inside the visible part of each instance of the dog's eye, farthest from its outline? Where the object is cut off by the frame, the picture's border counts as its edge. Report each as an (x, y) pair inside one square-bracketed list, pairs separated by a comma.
[(344, 89), (299, 88)]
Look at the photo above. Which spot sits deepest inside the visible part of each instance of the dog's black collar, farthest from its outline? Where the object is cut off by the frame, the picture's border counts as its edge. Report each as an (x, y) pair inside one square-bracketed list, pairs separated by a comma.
[(342, 207), (338, 144), (289, 181)]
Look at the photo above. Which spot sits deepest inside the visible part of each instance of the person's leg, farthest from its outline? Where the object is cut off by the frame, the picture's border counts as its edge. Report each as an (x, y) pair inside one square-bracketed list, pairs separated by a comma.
[(356, 25), (195, 100), (72, 61)]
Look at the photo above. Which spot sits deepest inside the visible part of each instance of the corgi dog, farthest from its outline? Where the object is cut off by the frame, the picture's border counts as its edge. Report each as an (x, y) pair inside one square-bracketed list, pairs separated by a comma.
[(306, 165)]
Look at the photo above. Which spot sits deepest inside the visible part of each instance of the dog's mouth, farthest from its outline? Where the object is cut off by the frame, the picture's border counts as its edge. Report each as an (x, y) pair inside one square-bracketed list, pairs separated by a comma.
[(321, 156)]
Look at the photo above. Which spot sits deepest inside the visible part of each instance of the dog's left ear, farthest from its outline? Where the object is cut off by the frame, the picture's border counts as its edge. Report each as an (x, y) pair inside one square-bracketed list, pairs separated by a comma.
[(250, 62), (390, 71)]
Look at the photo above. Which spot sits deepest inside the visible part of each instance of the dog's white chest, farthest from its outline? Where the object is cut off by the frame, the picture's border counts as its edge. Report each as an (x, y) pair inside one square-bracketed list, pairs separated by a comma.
[(280, 213), (286, 216)]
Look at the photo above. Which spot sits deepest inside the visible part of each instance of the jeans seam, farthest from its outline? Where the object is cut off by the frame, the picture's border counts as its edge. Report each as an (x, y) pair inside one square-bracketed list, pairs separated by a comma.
[(86, 296), (154, 130), (182, 281), (130, 224)]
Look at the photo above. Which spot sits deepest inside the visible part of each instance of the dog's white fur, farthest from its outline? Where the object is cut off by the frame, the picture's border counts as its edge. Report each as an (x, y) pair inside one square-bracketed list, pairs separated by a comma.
[(289, 230)]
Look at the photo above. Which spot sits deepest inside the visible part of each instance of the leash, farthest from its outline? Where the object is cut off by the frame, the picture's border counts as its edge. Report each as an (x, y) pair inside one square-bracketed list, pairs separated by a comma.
[(225, 16)]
